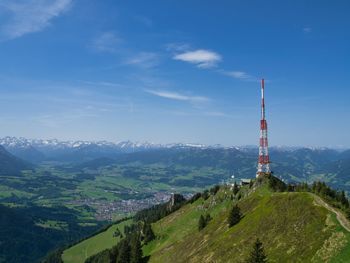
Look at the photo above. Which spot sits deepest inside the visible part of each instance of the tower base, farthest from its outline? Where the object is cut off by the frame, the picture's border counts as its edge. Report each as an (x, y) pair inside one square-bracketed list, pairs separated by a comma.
[(263, 174)]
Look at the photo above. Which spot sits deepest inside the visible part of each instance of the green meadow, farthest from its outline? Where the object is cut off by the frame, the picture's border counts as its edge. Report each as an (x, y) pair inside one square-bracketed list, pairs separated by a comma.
[(81, 251)]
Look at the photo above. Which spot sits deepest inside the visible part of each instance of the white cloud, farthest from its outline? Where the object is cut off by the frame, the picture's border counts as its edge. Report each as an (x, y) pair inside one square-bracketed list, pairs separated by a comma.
[(30, 16), (144, 60), (178, 96), (202, 58), (106, 42)]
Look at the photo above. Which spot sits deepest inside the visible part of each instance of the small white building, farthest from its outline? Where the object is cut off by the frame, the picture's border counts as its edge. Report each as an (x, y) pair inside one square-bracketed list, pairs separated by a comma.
[(245, 182)]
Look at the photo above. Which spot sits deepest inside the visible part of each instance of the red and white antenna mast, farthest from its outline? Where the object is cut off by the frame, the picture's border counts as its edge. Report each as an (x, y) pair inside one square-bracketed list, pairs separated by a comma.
[(264, 160)]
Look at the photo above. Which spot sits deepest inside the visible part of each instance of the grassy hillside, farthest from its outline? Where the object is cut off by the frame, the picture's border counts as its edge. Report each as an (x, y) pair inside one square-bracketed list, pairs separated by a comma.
[(81, 251), (292, 227)]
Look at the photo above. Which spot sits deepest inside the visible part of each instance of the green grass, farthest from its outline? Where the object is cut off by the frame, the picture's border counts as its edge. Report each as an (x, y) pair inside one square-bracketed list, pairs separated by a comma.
[(58, 225), (291, 227), (6, 191), (81, 251), (343, 255)]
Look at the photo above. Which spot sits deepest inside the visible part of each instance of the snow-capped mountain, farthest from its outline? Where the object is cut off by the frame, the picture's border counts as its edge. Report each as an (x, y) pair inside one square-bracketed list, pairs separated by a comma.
[(36, 150), (15, 142)]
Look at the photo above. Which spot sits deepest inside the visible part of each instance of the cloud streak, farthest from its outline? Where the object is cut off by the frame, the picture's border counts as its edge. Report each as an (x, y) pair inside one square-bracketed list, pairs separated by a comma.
[(307, 29), (237, 74), (30, 16), (201, 58), (177, 96), (144, 60), (241, 75), (102, 83), (106, 42)]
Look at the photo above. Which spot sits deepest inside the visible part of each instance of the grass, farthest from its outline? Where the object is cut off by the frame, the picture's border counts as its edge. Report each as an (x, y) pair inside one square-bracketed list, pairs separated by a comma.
[(6, 191), (58, 225), (343, 254), (291, 227), (81, 251), (183, 223)]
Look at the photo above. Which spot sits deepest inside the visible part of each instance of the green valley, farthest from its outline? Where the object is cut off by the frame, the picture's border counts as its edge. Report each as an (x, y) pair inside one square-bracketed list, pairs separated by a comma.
[(99, 191)]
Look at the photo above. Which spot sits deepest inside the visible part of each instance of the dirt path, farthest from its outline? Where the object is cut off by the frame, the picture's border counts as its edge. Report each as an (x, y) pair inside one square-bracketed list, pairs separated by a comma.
[(340, 216)]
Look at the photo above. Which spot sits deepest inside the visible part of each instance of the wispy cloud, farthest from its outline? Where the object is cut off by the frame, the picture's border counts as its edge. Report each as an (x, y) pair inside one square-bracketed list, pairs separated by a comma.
[(217, 114), (201, 58), (238, 74), (241, 75), (177, 47), (106, 42), (30, 16), (67, 117), (144, 60), (144, 20), (101, 83), (307, 29), (177, 96)]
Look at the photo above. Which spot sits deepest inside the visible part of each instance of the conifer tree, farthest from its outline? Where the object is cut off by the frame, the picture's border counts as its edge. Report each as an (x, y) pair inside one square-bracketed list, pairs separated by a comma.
[(123, 252), (148, 232), (205, 194), (344, 201), (234, 216), (257, 255), (135, 250), (235, 189), (207, 218), (201, 223)]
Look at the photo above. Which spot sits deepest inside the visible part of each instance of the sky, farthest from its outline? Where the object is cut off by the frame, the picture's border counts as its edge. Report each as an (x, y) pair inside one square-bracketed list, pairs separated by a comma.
[(168, 71)]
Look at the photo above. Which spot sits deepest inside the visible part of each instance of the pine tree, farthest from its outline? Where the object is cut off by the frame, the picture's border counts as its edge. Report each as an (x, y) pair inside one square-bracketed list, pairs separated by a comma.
[(251, 184), (123, 252), (135, 250), (344, 201), (234, 216), (347, 212), (235, 188), (257, 255), (205, 195), (148, 232), (207, 218), (201, 223)]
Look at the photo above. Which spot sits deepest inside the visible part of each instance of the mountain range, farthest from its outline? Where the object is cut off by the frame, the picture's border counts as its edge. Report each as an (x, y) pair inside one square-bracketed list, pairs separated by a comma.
[(289, 163), (38, 150)]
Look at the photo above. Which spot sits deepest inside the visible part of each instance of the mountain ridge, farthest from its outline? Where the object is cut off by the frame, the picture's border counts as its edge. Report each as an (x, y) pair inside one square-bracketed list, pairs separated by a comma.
[(11, 165), (295, 226)]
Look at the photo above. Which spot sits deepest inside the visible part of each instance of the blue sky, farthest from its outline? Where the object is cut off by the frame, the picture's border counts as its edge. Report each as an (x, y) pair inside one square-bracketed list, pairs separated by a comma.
[(175, 71)]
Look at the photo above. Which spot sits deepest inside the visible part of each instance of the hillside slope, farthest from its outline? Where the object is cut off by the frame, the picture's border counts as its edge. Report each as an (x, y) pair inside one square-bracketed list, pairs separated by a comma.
[(11, 165), (104, 240), (292, 227)]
